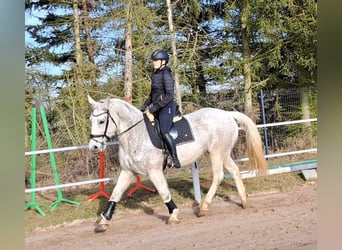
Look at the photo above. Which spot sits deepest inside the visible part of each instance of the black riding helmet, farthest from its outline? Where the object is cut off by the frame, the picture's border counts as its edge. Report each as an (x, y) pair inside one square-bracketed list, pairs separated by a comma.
[(160, 55)]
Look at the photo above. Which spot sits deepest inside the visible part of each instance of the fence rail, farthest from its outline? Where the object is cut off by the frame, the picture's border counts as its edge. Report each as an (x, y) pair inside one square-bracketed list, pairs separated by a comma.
[(115, 142)]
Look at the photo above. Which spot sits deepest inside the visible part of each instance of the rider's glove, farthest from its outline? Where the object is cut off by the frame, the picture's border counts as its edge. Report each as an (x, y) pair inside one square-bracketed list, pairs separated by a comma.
[(149, 115)]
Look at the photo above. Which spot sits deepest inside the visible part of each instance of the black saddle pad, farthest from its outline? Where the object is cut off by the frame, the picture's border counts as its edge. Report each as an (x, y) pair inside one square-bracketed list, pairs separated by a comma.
[(185, 134)]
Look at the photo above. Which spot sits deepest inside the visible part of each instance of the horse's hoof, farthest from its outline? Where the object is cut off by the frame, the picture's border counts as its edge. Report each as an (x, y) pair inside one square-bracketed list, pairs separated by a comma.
[(173, 222), (100, 228), (196, 210), (173, 217), (202, 212), (101, 225)]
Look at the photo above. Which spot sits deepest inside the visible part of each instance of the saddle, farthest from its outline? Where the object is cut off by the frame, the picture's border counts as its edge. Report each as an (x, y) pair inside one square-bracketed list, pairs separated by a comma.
[(180, 131)]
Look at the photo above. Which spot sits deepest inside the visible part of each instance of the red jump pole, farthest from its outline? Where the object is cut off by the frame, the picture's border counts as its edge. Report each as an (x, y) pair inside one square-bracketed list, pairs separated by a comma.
[(138, 184), (102, 188)]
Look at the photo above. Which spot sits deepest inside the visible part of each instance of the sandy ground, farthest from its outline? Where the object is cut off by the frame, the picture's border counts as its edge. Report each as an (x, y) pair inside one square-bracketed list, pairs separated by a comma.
[(274, 220)]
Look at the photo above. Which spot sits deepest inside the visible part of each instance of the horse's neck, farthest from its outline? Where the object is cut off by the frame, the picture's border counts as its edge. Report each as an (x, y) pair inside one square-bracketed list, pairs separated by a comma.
[(126, 115)]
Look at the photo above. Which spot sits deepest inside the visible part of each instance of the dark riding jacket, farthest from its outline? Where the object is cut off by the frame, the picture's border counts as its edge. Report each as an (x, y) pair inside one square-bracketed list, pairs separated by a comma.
[(162, 90)]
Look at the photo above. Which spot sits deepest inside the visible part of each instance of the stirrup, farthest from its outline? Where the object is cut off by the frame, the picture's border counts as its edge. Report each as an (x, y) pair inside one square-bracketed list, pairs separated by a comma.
[(169, 163), (175, 165)]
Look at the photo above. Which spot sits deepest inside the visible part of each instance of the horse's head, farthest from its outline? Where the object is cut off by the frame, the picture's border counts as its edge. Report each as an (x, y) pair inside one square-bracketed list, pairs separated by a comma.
[(103, 126)]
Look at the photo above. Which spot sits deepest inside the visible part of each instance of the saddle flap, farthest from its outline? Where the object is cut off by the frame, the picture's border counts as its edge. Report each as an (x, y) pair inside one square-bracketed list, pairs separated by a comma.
[(180, 129)]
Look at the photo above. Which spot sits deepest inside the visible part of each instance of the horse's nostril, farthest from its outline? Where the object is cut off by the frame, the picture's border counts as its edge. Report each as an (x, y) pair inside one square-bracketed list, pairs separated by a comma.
[(93, 147)]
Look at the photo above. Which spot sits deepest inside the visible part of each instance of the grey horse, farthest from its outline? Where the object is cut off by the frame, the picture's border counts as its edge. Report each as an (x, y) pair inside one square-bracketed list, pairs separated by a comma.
[(215, 131)]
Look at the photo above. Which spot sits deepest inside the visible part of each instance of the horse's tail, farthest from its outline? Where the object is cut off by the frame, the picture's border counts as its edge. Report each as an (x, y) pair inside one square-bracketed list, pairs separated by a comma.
[(255, 151)]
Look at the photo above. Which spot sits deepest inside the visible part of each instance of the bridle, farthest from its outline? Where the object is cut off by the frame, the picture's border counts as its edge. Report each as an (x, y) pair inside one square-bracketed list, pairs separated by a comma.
[(104, 135)]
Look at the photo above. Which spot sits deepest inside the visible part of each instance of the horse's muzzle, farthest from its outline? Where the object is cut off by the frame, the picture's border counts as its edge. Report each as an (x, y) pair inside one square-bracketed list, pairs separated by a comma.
[(96, 146)]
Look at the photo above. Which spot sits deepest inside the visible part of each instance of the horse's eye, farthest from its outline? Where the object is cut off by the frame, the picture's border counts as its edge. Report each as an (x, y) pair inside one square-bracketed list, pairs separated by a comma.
[(101, 122)]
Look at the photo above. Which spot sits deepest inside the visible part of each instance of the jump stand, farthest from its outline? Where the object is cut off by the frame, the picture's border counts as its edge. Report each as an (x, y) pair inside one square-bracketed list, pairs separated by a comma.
[(33, 202), (102, 188), (54, 166), (60, 197), (139, 185)]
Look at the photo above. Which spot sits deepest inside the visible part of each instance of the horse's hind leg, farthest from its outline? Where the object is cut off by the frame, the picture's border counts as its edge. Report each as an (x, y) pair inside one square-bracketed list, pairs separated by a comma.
[(234, 171), (158, 179), (218, 175)]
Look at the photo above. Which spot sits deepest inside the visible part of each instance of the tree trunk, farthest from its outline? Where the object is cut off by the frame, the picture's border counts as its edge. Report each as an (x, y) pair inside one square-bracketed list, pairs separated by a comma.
[(78, 96), (90, 51), (246, 59), (305, 106), (200, 80), (78, 51), (128, 54), (174, 54)]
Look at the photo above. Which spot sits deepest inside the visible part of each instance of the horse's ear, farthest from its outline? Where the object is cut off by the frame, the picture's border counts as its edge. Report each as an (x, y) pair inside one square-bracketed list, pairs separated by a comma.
[(107, 102), (92, 101)]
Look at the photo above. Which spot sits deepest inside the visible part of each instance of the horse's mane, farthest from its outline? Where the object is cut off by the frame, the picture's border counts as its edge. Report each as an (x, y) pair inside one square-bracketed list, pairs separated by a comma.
[(126, 104), (125, 110)]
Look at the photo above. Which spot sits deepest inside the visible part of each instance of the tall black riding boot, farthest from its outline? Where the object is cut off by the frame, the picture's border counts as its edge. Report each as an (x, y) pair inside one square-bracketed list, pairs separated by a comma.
[(171, 146)]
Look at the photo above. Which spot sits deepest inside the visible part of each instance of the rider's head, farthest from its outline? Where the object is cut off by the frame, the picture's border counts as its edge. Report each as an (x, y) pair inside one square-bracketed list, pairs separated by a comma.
[(159, 55)]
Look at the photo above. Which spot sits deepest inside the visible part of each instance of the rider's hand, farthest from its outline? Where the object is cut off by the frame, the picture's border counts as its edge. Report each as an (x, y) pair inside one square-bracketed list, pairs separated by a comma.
[(149, 115)]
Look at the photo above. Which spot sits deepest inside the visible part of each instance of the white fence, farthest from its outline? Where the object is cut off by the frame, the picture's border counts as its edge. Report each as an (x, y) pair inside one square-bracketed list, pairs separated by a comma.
[(115, 142)]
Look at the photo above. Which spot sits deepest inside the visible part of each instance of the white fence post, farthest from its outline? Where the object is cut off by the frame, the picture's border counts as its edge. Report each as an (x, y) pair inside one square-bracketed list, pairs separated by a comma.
[(196, 182)]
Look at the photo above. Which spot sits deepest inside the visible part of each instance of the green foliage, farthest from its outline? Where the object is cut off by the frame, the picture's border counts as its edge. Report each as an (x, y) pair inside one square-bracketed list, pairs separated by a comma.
[(283, 39)]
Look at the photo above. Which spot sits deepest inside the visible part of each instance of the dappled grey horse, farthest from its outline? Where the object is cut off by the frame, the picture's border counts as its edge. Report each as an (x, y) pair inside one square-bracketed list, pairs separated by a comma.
[(215, 131)]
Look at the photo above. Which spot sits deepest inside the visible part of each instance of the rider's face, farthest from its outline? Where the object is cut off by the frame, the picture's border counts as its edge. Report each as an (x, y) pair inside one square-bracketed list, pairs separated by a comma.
[(158, 63)]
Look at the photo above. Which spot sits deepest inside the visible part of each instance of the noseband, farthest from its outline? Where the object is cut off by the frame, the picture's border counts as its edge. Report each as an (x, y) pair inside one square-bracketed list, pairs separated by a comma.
[(104, 135)]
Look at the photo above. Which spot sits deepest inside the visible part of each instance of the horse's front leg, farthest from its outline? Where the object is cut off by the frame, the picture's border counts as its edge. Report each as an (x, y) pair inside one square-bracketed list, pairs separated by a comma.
[(124, 180), (158, 179)]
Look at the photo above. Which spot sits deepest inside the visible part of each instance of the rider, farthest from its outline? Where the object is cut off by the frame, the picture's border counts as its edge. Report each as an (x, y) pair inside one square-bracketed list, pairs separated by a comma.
[(160, 102)]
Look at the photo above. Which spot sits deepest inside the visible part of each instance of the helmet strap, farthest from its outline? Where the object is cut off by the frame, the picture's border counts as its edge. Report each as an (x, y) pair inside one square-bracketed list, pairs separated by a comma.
[(161, 64)]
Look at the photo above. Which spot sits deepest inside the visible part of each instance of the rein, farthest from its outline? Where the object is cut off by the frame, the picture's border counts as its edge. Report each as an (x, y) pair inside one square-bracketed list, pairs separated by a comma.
[(92, 136), (126, 130)]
